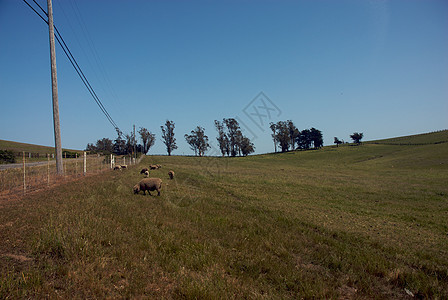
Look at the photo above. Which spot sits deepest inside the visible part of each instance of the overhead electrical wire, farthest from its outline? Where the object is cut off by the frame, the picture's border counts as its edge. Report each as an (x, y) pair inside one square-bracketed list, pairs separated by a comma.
[(76, 67)]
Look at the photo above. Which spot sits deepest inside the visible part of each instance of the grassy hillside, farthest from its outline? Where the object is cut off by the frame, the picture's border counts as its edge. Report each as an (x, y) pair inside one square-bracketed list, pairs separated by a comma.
[(19, 147), (418, 139), (364, 221)]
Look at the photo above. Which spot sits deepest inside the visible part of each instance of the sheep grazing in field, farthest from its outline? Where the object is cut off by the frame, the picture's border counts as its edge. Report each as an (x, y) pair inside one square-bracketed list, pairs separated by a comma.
[(143, 171), (148, 184), (159, 166), (171, 174), (153, 167), (117, 168), (146, 173), (124, 166)]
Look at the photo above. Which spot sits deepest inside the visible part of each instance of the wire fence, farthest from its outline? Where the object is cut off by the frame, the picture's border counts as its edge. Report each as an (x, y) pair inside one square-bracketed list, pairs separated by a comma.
[(28, 177)]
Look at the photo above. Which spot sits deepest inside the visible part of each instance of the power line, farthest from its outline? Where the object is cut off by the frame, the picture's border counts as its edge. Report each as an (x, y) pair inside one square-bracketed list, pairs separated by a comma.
[(76, 67)]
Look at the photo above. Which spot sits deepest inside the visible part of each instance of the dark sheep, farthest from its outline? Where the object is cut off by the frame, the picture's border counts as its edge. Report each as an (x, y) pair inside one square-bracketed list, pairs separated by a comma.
[(153, 167), (144, 170), (171, 174), (148, 184)]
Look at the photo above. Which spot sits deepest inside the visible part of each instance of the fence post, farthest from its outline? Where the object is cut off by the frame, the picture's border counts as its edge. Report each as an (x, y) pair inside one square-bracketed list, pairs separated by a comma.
[(85, 163), (64, 164), (48, 169), (24, 176), (124, 160), (76, 164), (111, 167)]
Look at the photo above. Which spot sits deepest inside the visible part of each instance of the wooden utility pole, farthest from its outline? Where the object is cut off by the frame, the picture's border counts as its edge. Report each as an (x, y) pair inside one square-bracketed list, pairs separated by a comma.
[(54, 83)]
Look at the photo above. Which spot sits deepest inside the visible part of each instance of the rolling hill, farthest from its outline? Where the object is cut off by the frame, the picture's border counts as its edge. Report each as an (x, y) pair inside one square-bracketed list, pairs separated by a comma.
[(343, 222)]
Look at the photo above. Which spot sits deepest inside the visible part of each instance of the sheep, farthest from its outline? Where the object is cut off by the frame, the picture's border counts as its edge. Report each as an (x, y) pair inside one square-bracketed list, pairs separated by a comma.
[(124, 166), (153, 167), (148, 184), (171, 174), (146, 173), (117, 168), (144, 170), (159, 166)]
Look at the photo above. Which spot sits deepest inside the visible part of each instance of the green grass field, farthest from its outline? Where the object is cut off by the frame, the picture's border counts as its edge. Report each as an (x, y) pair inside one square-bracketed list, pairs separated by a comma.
[(367, 221)]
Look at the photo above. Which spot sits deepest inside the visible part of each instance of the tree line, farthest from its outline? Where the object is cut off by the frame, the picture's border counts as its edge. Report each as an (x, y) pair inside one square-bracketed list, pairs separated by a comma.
[(286, 136), (230, 139)]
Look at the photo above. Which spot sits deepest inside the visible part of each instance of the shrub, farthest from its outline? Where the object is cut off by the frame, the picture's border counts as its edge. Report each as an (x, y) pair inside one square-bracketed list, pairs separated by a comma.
[(7, 157)]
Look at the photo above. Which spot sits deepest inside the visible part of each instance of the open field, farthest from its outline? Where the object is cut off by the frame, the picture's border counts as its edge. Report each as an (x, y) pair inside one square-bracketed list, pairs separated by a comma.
[(365, 221)]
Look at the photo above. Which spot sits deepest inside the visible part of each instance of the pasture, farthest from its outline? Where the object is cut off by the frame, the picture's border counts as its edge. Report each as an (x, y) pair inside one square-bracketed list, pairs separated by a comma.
[(365, 221)]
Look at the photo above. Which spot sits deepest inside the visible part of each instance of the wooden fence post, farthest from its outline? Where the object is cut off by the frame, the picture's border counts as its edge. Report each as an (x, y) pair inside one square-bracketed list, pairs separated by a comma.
[(24, 176), (85, 163), (48, 170)]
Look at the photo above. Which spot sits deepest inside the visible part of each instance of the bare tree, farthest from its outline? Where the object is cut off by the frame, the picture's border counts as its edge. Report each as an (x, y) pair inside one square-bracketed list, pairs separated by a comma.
[(223, 142), (198, 141), (168, 136), (148, 139)]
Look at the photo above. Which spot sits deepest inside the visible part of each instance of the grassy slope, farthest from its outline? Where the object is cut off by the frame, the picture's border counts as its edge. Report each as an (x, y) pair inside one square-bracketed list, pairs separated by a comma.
[(367, 221), (19, 147)]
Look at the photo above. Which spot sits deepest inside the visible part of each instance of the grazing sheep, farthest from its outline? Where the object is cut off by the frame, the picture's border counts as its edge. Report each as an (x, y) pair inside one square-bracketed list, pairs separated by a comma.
[(144, 170), (148, 184), (171, 174), (124, 166), (159, 166), (146, 173), (117, 168), (153, 167)]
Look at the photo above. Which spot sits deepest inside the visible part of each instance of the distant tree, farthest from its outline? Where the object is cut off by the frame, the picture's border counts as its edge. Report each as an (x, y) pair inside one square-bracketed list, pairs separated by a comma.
[(282, 135), (231, 139), (227, 145), (304, 139), (273, 127), (105, 145), (198, 141), (129, 143), (148, 139), (293, 134), (246, 146), (316, 138), (337, 141), (91, 147), (233, 129), (168, 136), (357, 137), (222, 138), (119, 145)]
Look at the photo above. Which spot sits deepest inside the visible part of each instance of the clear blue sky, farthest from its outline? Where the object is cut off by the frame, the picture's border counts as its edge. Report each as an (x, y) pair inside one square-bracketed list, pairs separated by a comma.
[(377, 67)]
